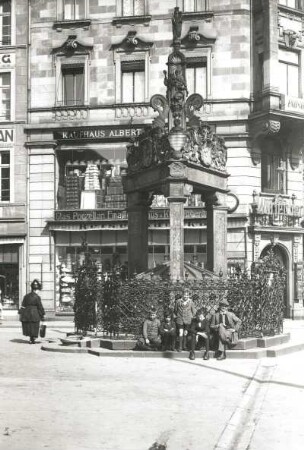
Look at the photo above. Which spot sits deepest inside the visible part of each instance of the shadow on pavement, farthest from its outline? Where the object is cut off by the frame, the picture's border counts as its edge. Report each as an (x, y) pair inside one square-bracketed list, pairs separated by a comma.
[(246, 377)]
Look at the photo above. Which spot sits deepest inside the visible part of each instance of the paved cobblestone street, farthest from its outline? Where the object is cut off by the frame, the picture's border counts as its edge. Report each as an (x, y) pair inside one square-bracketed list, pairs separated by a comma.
[(70, 402), (78, 401)]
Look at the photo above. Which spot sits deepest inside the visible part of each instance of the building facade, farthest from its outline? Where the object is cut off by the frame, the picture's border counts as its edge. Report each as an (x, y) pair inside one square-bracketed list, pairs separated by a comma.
[(13, 154), (92, 69)]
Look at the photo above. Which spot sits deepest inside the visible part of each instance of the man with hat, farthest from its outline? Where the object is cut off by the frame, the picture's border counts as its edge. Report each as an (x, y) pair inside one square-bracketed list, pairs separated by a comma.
[(225, 323), (151, 339)]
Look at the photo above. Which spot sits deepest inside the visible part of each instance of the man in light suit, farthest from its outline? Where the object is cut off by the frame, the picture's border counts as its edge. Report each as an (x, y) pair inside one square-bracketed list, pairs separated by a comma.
[(224, 323)]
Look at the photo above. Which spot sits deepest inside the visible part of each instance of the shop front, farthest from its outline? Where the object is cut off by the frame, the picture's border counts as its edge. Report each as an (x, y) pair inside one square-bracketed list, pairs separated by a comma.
[(10, 276)]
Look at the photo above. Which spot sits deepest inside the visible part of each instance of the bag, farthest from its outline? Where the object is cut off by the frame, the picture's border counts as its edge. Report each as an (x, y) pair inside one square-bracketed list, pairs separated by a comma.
[(234, 338), (42, 330)]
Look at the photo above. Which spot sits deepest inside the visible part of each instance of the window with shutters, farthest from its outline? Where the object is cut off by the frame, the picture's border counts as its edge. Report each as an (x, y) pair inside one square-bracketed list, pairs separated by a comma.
[(289, 73), (196, 76), (5, 96), (4, 176), (296, 4), (133, 81), (195, 5), (73, 85), (5, 22)]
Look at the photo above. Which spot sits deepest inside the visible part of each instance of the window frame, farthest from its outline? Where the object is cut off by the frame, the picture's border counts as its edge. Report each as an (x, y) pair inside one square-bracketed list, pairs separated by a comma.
[(67, 70), (202, 55), (290, 64), (5, 166), (60, 12), (195, 6), (140, 66), (120, 10), (12, 26), (12, 96), (194, 63), (275, 153), (299, 5), (61, 63), (119, 59)]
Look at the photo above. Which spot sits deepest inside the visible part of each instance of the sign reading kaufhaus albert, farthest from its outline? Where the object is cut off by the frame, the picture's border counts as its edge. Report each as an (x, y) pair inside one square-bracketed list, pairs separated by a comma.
[(100, 215), (106, 133), (294, 104)]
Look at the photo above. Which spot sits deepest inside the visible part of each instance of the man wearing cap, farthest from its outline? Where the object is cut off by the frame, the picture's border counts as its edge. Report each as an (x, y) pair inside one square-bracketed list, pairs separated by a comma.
[(151, 339), (224, 323)]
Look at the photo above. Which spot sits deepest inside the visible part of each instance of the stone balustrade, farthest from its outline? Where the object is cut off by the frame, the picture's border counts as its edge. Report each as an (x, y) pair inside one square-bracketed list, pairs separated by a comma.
[(67, 113)]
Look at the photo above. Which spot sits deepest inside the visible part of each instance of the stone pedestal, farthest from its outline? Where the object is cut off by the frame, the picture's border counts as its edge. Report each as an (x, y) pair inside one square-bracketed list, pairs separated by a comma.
[(217, 239), (138, 209)]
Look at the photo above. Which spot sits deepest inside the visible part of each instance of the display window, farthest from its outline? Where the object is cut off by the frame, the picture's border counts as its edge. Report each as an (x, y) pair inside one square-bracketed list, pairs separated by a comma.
[(70, 258), (91, 179)]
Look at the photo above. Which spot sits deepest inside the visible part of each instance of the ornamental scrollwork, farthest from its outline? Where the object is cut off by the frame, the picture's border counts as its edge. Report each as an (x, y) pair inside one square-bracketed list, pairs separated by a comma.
[(204, 147)]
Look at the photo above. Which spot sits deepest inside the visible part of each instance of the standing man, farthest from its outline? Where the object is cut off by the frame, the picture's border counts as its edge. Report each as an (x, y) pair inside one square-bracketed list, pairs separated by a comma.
[(225, 323)]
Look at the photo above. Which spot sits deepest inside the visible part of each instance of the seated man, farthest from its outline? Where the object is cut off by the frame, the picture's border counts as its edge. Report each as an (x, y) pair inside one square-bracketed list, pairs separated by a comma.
[(225, 324), (199, 329), (151, 333), (168, 332)]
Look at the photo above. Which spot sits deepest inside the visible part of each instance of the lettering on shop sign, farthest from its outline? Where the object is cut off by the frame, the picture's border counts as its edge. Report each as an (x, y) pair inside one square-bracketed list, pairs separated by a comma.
[(102, 133), (6, 135), (116, 215), (293, 104), (7, 59)]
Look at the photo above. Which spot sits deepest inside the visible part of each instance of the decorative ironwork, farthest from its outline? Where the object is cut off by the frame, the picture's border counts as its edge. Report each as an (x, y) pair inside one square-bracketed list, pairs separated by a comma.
[(160, 142), (256, 297), (276, 211)]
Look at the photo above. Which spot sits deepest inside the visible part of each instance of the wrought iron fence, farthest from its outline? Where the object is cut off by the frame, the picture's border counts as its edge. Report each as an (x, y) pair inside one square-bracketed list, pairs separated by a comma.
[(256, 297)]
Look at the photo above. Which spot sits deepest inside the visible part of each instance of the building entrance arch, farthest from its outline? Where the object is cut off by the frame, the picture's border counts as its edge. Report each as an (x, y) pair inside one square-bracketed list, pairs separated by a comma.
[(282, 256)]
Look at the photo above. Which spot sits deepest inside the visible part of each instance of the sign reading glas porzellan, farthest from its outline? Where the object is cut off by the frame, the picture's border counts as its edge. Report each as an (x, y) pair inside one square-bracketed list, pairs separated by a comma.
[(98, 133)]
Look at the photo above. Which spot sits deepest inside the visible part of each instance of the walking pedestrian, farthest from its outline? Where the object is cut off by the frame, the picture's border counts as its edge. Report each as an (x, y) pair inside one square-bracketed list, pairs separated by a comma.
[(32, 312)]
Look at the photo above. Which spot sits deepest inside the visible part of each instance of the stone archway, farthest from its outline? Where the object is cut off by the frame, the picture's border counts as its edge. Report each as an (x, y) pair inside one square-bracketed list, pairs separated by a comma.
[(280, 252)]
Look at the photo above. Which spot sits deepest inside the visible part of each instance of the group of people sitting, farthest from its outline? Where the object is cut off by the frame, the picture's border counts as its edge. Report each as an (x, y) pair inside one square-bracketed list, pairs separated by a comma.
[(192, 327)]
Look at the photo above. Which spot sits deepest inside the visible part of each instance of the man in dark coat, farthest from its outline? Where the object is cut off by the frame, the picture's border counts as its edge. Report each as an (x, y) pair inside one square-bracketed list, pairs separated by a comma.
[(168, 332), (224, 323), (199, 329), (31, 312)]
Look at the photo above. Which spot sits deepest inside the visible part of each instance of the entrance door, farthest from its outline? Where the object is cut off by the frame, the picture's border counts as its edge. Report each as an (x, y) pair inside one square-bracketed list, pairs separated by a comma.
[(9, 276), (280, 254)]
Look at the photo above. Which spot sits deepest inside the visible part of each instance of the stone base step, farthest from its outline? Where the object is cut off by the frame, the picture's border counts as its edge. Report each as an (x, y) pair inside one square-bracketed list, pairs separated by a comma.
[(255, 353)]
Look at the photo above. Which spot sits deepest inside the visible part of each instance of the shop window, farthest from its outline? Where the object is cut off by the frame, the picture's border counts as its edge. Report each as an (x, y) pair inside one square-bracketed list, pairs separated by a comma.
[(5, 22), (273, 168), (132, 81), (5, 96), (195, 5), (4, 176), (73, 85), (131, 7), (296, 4), (289, 73), (196, 76), (73, 9)]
